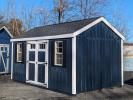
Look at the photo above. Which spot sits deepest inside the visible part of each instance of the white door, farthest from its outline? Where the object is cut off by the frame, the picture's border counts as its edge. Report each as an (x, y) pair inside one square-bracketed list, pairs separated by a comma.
[(4, 58), (37, 63)]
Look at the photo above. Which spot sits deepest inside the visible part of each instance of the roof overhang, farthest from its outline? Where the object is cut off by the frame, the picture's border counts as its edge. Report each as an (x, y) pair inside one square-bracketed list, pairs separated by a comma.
[(71, 35), (6, 31)]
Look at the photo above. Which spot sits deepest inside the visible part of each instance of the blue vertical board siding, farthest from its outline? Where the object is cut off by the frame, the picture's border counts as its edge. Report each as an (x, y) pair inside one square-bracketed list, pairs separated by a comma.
[(5, 39), (41, 73), (98, 60), (60, 78), (19, 69)]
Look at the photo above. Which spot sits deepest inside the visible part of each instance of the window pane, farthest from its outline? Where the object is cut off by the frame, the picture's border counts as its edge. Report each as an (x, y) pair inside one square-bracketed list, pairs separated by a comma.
[(2, 48), (41, 46), (19, 52), (60, 50), (19, 56), (32, 46), (60, 44)]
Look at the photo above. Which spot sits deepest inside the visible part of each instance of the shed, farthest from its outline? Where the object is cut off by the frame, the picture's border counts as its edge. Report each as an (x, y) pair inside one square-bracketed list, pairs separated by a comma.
[(128, 61), (71, 57), (5, 50)]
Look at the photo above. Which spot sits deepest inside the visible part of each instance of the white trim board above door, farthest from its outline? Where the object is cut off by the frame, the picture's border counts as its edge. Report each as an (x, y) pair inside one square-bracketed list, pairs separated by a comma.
[(37, 66)]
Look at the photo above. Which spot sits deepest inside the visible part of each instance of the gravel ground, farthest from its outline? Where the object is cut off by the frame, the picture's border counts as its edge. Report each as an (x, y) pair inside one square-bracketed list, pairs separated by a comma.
[(10, 90)]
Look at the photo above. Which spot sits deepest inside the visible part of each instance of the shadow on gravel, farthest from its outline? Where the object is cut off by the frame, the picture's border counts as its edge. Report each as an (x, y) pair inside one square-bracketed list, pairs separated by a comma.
[(129, 82)]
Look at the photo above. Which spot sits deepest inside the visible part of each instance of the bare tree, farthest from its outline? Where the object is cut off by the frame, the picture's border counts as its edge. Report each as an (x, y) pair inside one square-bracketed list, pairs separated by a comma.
[(41, 15), (62, 10), (15, 27), (90, 8), (120, 23), (27, 18)]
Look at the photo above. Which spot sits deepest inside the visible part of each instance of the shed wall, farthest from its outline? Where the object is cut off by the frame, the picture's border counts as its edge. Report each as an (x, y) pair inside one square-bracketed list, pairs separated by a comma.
[(60, 78), (19, 69), (5, 39), (98, 59)]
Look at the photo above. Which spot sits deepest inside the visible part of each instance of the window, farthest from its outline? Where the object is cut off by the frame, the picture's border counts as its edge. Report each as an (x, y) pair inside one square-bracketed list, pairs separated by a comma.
[(59, 53), (32, 46), (42, 46), (19, 52)]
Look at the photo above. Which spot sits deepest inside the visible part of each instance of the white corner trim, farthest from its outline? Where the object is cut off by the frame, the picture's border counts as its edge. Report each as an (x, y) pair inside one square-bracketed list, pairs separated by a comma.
[(122, 69), (101, 19), (7, 31), (44, 37), (47, 61), (12, 62), (74, 65)]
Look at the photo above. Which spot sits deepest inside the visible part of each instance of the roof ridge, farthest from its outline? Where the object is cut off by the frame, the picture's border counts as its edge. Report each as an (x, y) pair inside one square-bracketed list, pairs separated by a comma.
[(67, 22)]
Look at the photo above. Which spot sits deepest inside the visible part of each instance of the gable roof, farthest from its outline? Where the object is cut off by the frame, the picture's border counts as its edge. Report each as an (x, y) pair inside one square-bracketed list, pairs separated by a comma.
[(62, 30), (6, 31)]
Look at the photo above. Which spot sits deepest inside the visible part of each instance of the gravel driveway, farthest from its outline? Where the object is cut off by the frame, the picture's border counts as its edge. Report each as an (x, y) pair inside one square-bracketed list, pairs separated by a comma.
[(10, 90)]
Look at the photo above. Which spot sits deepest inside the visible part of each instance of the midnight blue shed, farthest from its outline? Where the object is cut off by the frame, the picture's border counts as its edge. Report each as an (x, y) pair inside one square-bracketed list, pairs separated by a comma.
[(72, 57), (5, 50)]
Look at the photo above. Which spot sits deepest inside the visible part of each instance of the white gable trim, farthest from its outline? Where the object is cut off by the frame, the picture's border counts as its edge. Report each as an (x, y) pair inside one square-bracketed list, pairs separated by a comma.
[(101, 19), (7, 31)]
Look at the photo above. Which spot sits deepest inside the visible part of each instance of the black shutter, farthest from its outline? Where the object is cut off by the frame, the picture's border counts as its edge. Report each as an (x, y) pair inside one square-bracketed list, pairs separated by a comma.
[(64, 52), (52, 52), (15, 52)]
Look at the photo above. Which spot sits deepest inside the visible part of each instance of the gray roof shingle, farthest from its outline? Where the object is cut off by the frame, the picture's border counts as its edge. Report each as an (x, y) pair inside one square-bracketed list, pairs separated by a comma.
[(57, 29)]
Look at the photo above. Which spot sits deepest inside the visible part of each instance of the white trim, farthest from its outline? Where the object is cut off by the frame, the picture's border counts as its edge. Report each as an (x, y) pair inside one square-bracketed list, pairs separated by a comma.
[(43, 37), (27, 61), (46, 65), (36, 62), (36, 83), (74, 65), (7, 31), (122, 69), (12, 62), (101, 19), (55, 53)]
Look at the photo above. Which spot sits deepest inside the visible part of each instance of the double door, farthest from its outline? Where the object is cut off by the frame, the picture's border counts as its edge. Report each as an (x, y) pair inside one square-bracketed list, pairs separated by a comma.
[(37, 63)]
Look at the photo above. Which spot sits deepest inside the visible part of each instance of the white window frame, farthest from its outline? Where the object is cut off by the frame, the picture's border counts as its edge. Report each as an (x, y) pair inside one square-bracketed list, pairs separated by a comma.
[(19, 52), (55, 53)]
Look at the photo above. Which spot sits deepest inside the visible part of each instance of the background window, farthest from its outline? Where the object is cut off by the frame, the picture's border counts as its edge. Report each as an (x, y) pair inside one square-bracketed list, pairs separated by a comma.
[(59, 53), (19, 52)]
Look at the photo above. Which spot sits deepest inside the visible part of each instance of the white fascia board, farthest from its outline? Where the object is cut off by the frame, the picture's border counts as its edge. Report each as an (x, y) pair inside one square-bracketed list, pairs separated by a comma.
[(101, 19), (87, 27), (113, 28), (44, 37), (7, 31)]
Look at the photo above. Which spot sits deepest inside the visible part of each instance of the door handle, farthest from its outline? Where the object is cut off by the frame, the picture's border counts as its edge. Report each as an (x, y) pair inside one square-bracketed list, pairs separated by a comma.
[(45, 63)]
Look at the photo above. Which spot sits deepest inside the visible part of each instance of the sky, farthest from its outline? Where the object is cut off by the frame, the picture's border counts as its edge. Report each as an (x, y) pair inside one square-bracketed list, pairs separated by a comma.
[(125, 7)]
